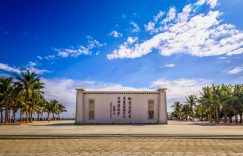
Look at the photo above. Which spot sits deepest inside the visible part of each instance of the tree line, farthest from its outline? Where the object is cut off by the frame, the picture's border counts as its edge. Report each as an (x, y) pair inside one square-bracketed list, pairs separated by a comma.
[(215, 103), (22, 93)]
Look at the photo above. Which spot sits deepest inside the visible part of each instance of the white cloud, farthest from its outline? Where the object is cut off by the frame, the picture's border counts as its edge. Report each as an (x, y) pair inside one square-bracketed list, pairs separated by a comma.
[(135, 27), (178, 89), (75, 52), (188, 33), (80, 50), (39, 57), (125, 48), (170, 16), (64, 90), (235, 70), (30, 66), (92, 44), (200, 2), (8, 68), (169, 65), (151, 24), (131, 40), (39, 71), (211, 3), (115, 34), (49, 57), (236, 51), (222, 58)]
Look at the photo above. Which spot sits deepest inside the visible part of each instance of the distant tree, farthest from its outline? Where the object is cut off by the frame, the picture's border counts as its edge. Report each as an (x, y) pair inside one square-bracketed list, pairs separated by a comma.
[(31, 87), (214, 102), (23, 93), (177, 113), (6, 86), (186, 111), (191, 100)]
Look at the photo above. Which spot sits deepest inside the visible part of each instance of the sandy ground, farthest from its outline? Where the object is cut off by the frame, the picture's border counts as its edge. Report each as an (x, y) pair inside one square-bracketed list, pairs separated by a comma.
[(172, 128)]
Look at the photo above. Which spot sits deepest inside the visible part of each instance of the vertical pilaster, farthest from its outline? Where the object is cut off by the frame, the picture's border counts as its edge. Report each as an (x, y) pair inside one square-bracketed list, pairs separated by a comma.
[(79, 118), (162, 106)]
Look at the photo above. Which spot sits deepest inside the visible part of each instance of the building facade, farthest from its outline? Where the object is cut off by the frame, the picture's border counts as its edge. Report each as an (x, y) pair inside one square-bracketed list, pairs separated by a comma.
[(121, 107)]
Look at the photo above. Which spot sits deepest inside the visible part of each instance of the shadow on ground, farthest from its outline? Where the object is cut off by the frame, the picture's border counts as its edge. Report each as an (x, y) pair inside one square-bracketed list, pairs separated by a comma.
[(214, 124)]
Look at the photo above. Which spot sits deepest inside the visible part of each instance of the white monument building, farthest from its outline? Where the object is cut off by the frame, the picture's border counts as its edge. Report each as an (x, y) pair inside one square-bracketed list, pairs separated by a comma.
[(117, 107)]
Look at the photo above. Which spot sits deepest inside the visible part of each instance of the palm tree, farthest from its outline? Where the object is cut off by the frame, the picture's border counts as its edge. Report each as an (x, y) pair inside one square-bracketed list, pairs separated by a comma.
[(15, 101), (25, 95), (22, 105), (39, 107), (1, 98), (55, 107), (1, 109), (216, 100), (236, 99), (191, 101), (205, 100), (177, 110), (6, 86), (30, 87), (225, 99), (48, 109), (186, 111), (35, 101), (199, 112), (60, 109)]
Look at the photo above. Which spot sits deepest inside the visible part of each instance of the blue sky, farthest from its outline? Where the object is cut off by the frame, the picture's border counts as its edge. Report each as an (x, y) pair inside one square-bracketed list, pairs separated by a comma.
[(128, 44)]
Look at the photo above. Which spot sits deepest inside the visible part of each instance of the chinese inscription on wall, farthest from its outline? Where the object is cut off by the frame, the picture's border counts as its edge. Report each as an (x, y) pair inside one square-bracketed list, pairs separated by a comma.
[(122, 108)]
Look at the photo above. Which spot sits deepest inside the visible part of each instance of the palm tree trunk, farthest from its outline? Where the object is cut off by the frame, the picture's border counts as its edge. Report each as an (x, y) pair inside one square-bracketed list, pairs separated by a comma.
[(31, 116), (48, 116), (225, 117), (6, 115), (211, 114), (230, 119), (26, 113), (240, 117), (211, 117), (58, 116), (38, 116), (9, 116), (53, 116), (14, 112), (186, 115), (218, 118), (20, 115), (217, 115), (1, 110), (193, 115), (41, 115), (236, 118)]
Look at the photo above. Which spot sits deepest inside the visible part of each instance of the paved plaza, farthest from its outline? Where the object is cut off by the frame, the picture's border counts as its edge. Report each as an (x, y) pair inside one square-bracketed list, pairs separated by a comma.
[(121, 146), (65, 138), (172, 128)]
